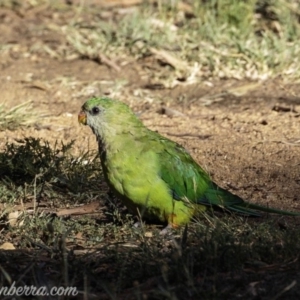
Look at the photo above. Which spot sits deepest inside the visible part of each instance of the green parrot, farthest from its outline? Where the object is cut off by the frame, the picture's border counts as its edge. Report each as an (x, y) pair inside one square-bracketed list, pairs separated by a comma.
[(155, 177)]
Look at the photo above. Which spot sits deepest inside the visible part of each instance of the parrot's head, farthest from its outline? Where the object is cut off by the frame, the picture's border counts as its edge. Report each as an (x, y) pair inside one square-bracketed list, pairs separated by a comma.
[(106, 116)]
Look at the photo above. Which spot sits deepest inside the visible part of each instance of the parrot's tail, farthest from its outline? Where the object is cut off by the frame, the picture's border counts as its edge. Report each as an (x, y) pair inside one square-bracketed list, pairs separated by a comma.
[(216, 196), (256, 207)]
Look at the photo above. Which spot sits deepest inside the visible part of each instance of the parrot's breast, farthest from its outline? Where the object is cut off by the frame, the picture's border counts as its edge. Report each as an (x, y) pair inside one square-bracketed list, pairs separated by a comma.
[(135, 176)]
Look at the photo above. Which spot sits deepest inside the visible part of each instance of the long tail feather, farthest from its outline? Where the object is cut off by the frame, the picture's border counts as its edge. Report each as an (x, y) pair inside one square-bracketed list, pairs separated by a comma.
[(222, 198), (244, 211), (268, 209)]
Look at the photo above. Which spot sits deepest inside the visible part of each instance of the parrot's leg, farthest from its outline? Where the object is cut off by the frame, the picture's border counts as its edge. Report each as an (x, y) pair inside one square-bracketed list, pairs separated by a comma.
[(171, 225), (137, 224), (167, 230)]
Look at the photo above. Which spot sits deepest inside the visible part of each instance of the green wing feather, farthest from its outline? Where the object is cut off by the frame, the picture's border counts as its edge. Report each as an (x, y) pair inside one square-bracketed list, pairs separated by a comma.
[(187, 180)]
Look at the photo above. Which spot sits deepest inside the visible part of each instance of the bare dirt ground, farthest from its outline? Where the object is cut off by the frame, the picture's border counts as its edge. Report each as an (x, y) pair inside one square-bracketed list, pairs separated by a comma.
[(245, 134)]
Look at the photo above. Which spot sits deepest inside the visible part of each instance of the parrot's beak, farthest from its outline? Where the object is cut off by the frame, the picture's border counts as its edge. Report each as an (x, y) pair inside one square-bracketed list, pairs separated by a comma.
[(82, 117)]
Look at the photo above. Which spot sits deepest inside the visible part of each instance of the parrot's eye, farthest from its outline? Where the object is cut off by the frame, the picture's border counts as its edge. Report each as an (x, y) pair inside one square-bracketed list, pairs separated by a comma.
[(95, 110)]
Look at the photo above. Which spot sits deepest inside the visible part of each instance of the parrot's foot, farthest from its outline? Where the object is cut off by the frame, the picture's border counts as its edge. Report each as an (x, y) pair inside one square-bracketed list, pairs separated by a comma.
[(137, 224), (167, 230)]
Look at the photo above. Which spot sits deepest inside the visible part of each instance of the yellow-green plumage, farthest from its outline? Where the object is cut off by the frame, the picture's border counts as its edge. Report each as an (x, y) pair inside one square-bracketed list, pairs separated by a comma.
[(154, 176)]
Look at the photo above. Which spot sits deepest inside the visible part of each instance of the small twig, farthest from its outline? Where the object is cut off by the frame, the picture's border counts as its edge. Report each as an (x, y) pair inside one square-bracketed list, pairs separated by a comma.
[(81, 210), (170, 59), (286, 289), (296, 143), (106, 61), (200, 136), (170, 112)]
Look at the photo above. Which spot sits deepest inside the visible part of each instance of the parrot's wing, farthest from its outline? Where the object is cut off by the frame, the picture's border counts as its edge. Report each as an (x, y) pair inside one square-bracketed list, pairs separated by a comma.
[(188, 181), (185, 178)]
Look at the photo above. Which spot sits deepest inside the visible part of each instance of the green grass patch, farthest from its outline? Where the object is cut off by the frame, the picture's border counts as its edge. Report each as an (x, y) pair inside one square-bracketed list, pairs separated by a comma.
[(224, 39), (251, 39)]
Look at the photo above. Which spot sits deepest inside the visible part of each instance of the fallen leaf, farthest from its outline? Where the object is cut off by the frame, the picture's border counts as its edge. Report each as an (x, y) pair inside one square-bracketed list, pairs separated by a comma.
[(13, 218), (7, 246), (148, 234)]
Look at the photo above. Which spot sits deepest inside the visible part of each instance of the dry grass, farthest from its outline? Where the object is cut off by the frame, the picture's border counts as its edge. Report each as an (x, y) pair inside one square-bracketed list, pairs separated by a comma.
[(21, 115), (253, 39)]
